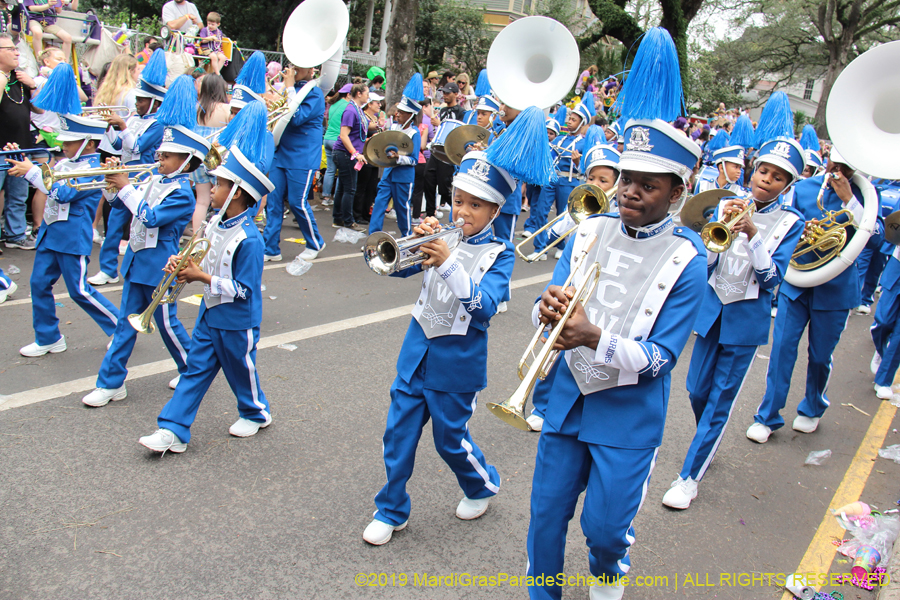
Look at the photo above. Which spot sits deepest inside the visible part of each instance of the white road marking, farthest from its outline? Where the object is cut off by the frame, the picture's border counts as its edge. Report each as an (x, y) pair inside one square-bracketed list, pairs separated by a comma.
[(85, 384)]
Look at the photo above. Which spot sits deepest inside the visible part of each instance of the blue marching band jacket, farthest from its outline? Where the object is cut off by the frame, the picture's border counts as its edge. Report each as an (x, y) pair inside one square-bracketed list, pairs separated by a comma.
[(646, 301), (708, 180), (300, 146), (562, 149), (68, 213), (453, 312), (749, 270), (140, 140), (233, 299)]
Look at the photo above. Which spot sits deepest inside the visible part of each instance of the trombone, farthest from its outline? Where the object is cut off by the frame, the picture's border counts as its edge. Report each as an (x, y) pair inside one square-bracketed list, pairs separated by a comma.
[(386, 255), (141, 174), (826, 235), (168, 290), (541, 351), (585, 200)]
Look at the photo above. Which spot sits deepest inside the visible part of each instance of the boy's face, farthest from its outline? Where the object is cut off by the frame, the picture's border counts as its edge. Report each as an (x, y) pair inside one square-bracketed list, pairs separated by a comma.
[(483, 118), (807, 172), (402, 117), (573, 121), (212, 25), (768, 182), (551, 134), (603, 177), (70, 149), (476, 213), (142, 105), (645, 198), (731, 170), (220, 192), (169, 162)]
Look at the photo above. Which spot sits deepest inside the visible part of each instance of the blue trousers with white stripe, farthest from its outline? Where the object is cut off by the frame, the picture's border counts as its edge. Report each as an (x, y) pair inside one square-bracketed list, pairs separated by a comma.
[(119, 217), (295, 185), (48, 266), (401, 193), (714, 380), (825, 329), (886, 335), (5, 281), (614, 482), (135, 299), (211, 349), (533, 193), (412, 405)]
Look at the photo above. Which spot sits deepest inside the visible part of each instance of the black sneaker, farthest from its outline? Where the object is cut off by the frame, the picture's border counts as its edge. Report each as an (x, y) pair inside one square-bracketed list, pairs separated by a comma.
[(23, 243)]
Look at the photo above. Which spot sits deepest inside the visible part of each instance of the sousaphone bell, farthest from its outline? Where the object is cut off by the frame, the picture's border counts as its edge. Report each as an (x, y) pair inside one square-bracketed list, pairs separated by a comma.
[(463, 140), (377, 148)]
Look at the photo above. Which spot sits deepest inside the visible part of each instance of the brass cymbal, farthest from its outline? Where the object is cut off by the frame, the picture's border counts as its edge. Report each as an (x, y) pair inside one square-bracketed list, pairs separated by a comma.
[(378, 145), (460, 140), (696, 210), (892, 228)]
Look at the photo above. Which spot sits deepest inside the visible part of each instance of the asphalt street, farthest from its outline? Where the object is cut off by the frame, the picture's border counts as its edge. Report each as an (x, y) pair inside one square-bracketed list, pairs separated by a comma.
[(89, 513)]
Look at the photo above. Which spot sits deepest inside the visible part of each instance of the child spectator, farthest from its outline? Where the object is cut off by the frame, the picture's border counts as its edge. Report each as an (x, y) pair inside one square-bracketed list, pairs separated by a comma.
[(211, 42), (42, 19)]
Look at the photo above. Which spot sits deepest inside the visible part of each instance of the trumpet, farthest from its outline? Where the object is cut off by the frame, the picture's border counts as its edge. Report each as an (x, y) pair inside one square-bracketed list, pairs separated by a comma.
[(541, 351), (168, 290), (585, 200), (827, 235), (18, 155), (718, 236), (102, 111), (386, 255), (141, 174)]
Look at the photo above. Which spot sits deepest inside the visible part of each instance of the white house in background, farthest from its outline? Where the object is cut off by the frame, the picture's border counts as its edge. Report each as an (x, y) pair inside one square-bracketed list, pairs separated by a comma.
[(803, 96)]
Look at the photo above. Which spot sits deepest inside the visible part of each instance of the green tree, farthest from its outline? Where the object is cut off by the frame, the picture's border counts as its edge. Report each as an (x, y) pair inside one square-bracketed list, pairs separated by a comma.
[(451, 33), (710, 85)]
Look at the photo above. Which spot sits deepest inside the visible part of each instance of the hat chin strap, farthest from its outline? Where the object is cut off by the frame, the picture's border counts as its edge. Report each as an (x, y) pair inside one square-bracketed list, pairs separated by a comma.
[(725, 173), (81, 148), (183, 165), (220, 216)]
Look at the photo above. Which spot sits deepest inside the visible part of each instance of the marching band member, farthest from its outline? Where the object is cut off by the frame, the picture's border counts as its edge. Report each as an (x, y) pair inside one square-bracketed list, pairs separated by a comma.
[(443, 362), (602, 167), (567, 151), (227, 328), (710, 172), (729, 161), (885, 333), (482, 115), (297, 158), (397, 182), (825, 308), (734, 319), (138, 138), (622, 345), (250, 84), (8, 287), (64, 238), (162, 208), (533, 193)]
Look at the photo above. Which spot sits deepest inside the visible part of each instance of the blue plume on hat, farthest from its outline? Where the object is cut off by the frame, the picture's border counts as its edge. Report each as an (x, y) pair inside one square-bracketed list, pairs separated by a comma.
[(776, 120), (253, 74), (719, 141), (156, 70), (247, 130), (809, 139), (588, 101), (60, 93), (742, 133), (180, 105), (593, 137), (560, 115), (523, 150), (414, 89), (483, 86), (653, 88)]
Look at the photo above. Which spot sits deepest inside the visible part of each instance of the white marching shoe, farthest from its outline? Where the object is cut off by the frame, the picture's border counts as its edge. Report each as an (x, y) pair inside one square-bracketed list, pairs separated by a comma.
[(805, 424), (101, 396), (680, 493), (245, 427), (607, 592), (876, 362), (33, 350), (864, 309), (536, 422), (774, 311), (163, 440), (102, 278), (533, 257), (379, 533), (272, 258), (4, 294), (469, 509), (173, 383), (502, 307), (884, 392), (558, 254), (311, 253), (759, 433)]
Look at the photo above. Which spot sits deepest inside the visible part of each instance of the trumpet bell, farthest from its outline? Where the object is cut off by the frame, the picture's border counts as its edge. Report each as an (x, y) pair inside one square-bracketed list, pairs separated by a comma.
[(698, 209), (862, 115), (141, 323), (716, 237), (315, 31), (377, 147), (513, 415), (459, 142), (533, 62), (214, 157), (382, 253)]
